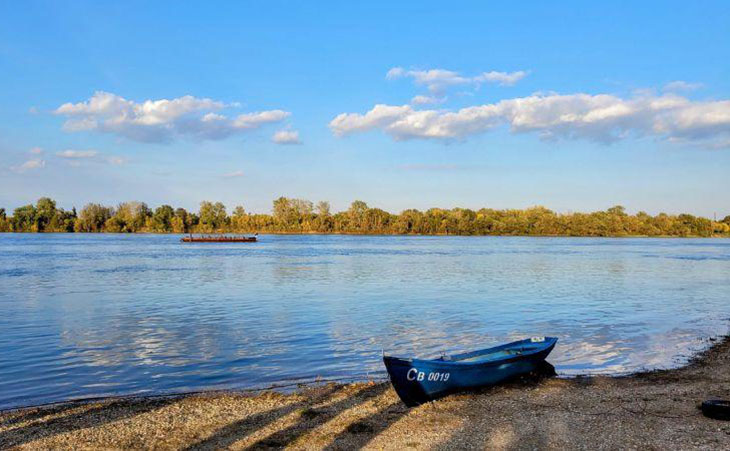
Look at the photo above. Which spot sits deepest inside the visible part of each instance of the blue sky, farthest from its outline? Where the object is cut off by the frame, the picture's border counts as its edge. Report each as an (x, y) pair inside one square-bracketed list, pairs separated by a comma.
[(573, 106)]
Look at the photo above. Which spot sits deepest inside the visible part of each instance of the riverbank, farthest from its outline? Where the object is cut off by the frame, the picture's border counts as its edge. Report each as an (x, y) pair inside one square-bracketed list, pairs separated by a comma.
[(311, 233), (652, 410)]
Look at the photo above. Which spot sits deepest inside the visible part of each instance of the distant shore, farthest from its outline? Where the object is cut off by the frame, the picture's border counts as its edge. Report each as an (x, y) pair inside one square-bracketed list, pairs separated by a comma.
[(366, 234), (300, 216), (655, 409)]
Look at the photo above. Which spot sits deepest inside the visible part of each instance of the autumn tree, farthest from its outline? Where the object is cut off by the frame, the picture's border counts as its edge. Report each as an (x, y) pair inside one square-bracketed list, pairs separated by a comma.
[(290, 214), (129, 217)]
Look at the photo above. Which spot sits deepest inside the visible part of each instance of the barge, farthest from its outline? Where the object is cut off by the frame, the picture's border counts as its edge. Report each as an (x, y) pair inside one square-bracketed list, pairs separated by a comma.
[(219, 239)]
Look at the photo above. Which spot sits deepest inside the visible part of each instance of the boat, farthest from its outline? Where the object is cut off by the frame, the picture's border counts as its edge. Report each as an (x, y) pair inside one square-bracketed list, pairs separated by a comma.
[(219, 239), (418, 381)]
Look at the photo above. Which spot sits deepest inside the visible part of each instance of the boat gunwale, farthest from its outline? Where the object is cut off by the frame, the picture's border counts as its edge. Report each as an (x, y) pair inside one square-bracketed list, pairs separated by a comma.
[(549, 344)]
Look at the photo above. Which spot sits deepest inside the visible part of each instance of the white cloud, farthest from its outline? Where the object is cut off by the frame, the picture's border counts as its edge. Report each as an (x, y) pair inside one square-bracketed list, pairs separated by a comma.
[(75, 157), (602, 118), (253, 120), (681, 85), (438, 80), (286, 137), (160, 120), (395, 72), (425, 100), (35, 163), (77, 153), (36, 151), (381, 116), (233, 174), (503, 78)]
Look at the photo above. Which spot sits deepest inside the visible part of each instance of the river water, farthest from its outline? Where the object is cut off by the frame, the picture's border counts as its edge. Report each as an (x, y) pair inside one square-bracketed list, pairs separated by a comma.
[(91, 315)]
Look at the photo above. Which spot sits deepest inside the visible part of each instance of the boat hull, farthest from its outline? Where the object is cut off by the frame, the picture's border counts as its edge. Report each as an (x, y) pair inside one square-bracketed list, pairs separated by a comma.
[(420, 381), (217, 240)]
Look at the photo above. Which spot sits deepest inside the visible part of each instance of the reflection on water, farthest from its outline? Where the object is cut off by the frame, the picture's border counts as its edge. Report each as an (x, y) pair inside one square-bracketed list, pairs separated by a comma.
[(88, 315)]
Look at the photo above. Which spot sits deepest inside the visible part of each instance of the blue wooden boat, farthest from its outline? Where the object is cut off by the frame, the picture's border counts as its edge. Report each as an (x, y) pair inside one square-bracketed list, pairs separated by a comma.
[(418, 381)]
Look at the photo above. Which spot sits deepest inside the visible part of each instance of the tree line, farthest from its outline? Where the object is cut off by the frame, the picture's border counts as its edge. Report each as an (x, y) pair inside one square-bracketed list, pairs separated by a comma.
[(303, 216)]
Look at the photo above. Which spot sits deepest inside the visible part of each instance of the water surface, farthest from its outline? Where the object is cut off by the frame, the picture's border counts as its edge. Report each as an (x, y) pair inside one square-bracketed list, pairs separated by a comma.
[(88, 315)]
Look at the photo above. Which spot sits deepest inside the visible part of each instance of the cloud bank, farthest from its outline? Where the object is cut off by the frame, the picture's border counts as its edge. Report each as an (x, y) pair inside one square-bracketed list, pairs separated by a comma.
[(602, 118), (161, 120)]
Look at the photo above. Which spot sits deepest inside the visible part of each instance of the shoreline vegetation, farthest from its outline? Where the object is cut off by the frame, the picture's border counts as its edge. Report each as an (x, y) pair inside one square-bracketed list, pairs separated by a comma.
[(647, 410), (297, 216)]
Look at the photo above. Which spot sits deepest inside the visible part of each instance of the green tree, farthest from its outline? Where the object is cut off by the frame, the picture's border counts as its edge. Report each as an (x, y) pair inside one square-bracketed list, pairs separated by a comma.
[(239, 211), (93, 217), (24, 219), (409, 221), (356, 212), (183, 221), (323, 221), (289, 214), (44, 214), (281, 209), (239, 220), (4, 224), (213, 217), (62, 221), (161, 219), (617, 210), (129, 217), (323, 208)]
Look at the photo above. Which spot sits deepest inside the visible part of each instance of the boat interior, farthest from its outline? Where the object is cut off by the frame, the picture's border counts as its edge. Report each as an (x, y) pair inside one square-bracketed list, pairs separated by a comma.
[(500, 352)]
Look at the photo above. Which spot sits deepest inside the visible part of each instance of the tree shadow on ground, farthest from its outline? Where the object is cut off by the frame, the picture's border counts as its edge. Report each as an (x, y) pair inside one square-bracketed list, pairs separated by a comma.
[(507, 428), (25, 415), (317, 417), (73, 420), (363, 431), (238, 430)]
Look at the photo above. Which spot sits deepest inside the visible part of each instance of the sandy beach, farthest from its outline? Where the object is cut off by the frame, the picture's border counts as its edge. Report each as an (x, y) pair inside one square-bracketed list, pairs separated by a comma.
[(652, 410)]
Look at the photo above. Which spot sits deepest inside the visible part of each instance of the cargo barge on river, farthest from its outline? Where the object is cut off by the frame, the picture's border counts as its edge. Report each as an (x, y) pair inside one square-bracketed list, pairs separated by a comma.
[(219, 239)]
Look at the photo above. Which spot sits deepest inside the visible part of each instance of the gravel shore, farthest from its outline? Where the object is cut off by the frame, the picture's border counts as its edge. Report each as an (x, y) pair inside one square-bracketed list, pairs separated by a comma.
[(653, 410)]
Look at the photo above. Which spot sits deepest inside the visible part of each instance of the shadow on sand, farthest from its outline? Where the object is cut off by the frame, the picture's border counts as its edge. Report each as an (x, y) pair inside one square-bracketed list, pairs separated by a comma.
[(72, 417), (310, 418), (332, 416)]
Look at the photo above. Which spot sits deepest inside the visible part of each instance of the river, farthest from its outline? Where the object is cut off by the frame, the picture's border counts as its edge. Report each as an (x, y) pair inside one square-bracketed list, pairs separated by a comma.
[(103, 314)]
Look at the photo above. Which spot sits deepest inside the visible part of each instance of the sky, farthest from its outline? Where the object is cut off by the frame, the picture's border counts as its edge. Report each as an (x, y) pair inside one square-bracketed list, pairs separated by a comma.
[(576, 106)]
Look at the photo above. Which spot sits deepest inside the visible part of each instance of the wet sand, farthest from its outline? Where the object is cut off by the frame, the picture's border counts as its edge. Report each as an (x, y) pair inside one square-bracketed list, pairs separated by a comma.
[(653, 410)]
